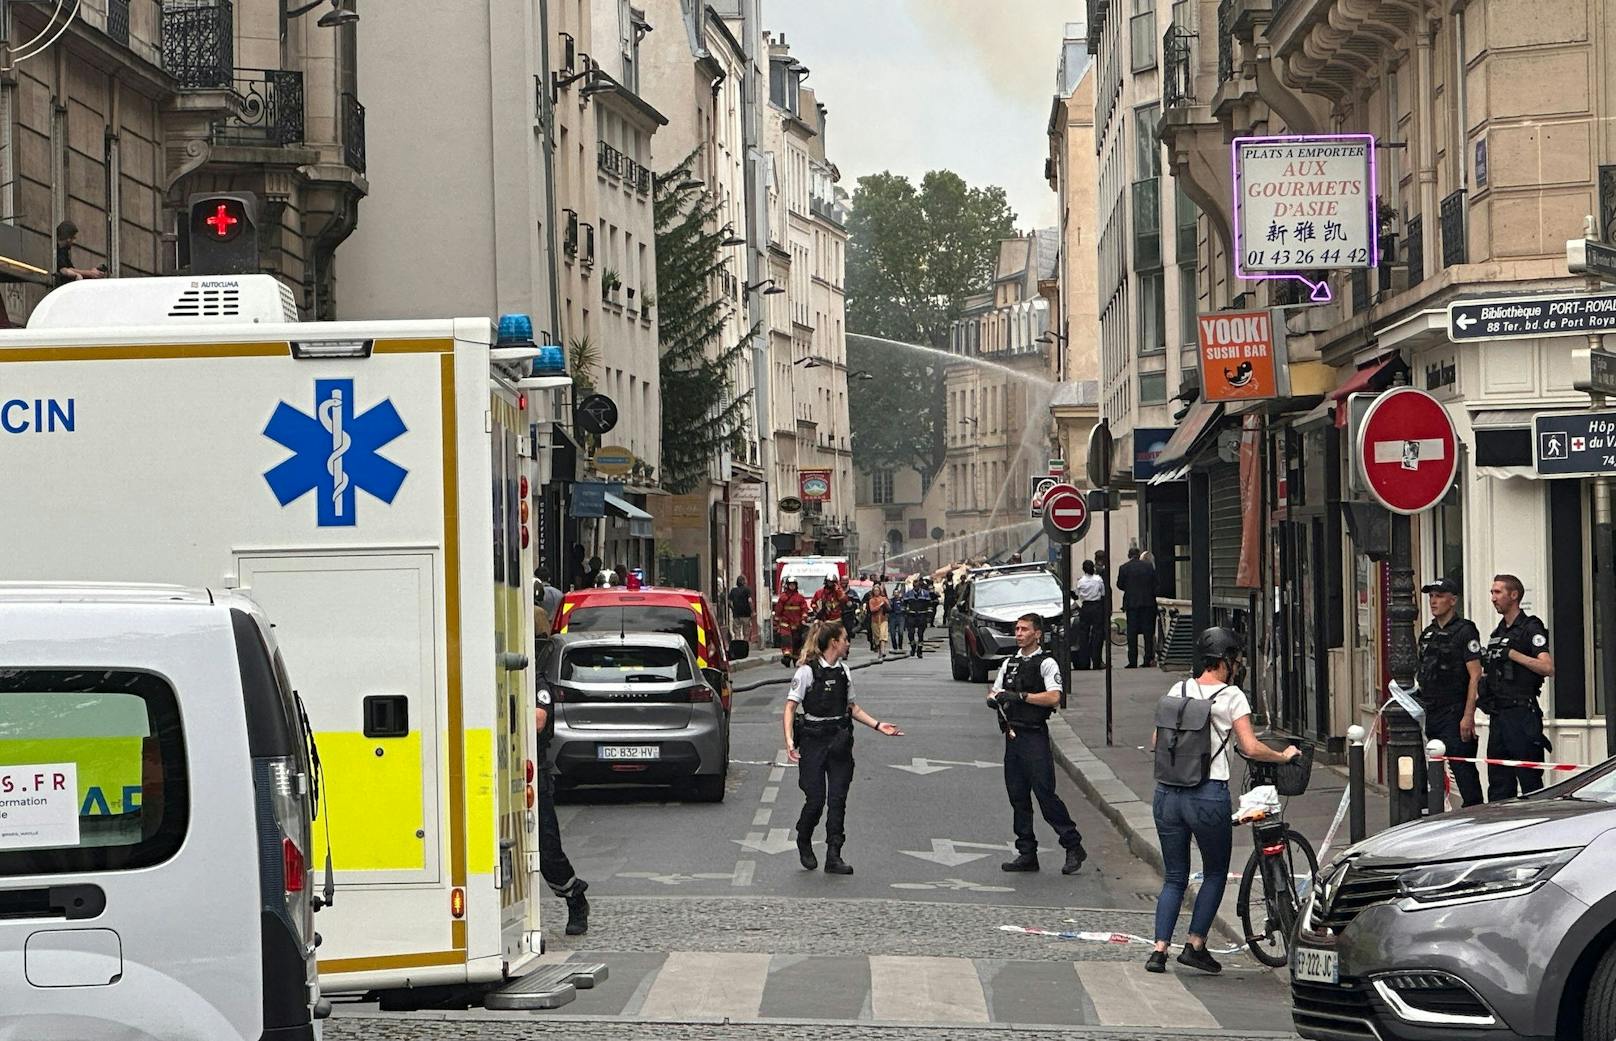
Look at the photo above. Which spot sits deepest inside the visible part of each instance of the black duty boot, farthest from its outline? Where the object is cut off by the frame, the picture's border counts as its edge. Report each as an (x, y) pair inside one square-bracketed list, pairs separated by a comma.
[(834, 864), (1074, 859), (1023, 862), (805, 852), (578, 911)]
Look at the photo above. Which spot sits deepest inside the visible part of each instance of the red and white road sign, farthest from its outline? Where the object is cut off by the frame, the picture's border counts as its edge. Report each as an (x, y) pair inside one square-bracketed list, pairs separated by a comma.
[(1407, 451), (1066, 508)]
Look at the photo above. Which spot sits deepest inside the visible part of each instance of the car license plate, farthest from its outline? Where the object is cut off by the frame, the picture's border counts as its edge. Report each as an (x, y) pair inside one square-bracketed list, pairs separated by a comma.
[(1314, 966), (628, 752)]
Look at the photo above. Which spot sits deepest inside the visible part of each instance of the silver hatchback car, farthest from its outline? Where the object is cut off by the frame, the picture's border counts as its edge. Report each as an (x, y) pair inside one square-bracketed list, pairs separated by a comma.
[(634, 708), (1492, 923)]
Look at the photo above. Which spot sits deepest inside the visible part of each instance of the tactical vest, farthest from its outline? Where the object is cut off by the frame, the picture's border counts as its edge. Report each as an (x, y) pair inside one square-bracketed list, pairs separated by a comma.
[(1509, 685), (827, 696), (1443, 676), (1026, 676)]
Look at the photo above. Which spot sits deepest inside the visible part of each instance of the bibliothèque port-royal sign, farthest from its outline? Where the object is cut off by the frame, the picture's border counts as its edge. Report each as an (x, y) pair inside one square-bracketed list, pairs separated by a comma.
[(1304, 203)]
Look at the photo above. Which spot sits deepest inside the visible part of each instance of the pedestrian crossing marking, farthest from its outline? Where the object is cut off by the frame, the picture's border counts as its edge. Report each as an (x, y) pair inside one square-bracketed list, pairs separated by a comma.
[(1125, 995), (707, 985), (905, 989)]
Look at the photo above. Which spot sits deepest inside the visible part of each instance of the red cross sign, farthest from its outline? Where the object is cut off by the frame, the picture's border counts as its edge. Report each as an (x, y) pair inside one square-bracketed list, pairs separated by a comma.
[(222, 222), (1407, 451)]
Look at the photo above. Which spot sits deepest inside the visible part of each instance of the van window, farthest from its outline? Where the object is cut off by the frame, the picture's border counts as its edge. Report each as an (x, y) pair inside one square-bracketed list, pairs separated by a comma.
[(624, 665), (92, 771), (636, 618)]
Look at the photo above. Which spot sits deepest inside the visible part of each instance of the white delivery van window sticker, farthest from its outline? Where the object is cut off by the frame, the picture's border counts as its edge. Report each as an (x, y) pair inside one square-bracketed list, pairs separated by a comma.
[(335, 453), (39, 805)]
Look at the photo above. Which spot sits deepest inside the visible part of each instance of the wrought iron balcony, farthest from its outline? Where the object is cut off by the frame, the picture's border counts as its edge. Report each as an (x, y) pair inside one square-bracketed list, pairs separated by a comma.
[(1225, 40), (610, 160), (1455, 249), (1416, 250), (1178, 71), (353, 133), (271, 108), (118, 21), (199, 42)]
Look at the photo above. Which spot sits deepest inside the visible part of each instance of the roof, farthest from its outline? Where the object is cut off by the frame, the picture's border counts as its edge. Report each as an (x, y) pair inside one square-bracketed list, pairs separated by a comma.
[(1049, 247), (101, 593)]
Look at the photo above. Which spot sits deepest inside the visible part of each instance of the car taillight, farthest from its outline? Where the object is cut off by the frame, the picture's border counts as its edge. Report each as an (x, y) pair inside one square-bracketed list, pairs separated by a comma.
[(285, 833), (702, 693), (295, 868), (530, 771)]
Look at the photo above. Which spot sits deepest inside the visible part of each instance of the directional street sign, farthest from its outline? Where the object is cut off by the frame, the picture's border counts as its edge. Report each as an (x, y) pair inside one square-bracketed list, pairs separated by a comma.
[(1595, 371), (1407, 451), (1587, 257), (1517, 317), (1574, 444)]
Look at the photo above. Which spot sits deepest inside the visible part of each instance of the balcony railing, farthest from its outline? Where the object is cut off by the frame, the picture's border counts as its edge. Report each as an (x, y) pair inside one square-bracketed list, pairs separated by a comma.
[(1225, 40), (1455, 250), (353, 133), (118, 21), (199, 43), (1416, 250), (610, 160), (569, 242), (1178, 72), (271, 108)]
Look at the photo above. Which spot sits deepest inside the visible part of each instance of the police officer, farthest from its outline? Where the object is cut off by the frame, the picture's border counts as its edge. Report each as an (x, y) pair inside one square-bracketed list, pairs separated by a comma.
[(1515, 663), (553, 862), (1450, 680), (1025, 694), (820, 741)]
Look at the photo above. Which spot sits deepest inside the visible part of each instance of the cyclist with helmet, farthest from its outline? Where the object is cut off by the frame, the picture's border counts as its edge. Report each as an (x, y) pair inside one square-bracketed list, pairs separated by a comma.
[(1202, 812)]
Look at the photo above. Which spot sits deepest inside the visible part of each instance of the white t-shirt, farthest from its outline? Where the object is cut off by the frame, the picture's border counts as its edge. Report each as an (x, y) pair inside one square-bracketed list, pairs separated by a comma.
[(1090, 588), (1231, 704), (804, 678)]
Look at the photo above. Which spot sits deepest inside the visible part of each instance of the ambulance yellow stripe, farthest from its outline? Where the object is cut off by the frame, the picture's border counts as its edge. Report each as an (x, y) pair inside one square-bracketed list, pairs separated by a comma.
[(148, 352), (413, 347)]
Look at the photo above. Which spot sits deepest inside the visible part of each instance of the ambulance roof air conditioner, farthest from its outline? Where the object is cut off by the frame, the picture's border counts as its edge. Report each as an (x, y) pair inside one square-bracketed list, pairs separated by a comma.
[(180, 300)]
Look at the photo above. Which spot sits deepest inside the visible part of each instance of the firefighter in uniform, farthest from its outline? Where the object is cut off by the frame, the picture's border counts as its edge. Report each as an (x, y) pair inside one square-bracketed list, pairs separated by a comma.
[(1450, 681), (790, 621), (1025, 694), (553, 862), (820, 741), (918, 608), (1516, 662)]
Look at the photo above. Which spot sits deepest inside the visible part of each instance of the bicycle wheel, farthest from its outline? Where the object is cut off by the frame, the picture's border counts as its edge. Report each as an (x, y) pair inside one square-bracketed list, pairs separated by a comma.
[(1118, 630), (1269, 904)]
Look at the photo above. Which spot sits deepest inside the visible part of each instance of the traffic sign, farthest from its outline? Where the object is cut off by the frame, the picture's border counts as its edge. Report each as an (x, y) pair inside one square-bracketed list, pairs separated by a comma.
[(1407, 451), (1041, 484), (1595, 371), (1066, 515), (1516, 317), (1574, 444), (1587, 257)]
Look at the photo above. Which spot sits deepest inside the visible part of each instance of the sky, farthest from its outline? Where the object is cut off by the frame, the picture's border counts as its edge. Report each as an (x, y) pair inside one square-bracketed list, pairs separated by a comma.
[(920, 85)]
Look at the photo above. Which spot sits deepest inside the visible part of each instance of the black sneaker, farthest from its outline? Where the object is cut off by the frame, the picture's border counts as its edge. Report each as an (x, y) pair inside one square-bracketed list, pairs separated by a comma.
[(1199, 958), (1023, 862), (1074, 859), (1157, 962), (578, 911)]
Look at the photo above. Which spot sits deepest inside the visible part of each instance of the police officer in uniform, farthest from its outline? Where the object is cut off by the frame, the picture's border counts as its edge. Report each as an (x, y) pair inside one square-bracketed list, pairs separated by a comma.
[(820, 741), (1450, 680), (1025, 694), (553, 862), (1516, 662)]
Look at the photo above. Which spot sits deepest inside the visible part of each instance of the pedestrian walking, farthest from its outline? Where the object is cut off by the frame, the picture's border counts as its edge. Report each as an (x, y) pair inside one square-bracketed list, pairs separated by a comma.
[(1514, 666), (898, 613), (918, 607), (790, 622), (553, 863), (1025, 693), (1450, 682), (1194, 723), (877, 605), (950, 594), (741, 610), (819, 714), (1137, 581), (1089, 652)]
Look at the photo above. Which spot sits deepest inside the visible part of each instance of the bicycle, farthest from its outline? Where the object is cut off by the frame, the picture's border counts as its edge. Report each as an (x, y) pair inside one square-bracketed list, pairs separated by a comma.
[(1271, 888)]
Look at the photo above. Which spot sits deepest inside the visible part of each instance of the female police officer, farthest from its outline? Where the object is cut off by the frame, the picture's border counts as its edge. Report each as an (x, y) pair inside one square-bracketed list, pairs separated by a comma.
[(820, 741)]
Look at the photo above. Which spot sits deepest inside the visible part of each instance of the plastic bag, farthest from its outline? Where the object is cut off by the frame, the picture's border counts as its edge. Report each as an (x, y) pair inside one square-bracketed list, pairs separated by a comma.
[(1262, 801)]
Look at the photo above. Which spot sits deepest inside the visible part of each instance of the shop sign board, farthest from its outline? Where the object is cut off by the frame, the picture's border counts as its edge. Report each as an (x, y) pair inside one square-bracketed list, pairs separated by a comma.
[(1242, 355), (1574, 444), (1148, 443), (814, 485)]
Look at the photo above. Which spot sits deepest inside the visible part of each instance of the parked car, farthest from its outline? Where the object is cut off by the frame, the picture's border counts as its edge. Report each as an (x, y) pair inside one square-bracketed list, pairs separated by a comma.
[(1491, 923), (655, 609), (981, 631), (156, 801), (634, 707)]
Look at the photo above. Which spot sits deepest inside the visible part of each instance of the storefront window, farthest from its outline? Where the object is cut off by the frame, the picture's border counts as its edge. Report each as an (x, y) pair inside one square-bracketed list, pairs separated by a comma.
[(1447, 529)]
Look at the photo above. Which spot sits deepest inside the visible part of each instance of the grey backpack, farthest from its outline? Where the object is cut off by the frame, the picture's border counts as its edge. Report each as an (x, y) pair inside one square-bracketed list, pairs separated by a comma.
[(1184, 738)]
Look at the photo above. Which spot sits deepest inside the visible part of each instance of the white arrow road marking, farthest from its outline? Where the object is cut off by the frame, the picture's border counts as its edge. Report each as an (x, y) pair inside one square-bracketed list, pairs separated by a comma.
[(1410, 453), (922, 767), (956, 884), (1464, 321), (676, 880), (946, 851), (778, 841)]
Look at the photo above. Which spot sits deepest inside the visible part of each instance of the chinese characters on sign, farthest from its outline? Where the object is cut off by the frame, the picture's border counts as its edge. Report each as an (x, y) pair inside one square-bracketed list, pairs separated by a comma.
[(1239, 355), (1304, 204)]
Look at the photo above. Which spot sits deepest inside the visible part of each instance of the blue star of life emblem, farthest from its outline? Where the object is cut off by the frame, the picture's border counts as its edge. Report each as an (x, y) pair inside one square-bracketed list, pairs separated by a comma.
[(335, 452)]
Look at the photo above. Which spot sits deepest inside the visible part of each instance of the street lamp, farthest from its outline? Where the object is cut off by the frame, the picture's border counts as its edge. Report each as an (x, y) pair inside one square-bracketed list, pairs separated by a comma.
[(772, 290), (808, 363), (337, 16), (861, 374)]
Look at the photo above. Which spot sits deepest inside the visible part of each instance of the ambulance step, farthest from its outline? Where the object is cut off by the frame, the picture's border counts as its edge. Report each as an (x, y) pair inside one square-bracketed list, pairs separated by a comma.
[(549, 986)]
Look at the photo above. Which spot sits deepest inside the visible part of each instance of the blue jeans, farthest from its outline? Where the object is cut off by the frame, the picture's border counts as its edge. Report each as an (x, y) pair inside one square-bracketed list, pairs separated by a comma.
[(1180, 813)]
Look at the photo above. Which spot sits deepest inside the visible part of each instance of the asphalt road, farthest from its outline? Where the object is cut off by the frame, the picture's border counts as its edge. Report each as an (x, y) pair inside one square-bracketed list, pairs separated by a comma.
[(710, 927)]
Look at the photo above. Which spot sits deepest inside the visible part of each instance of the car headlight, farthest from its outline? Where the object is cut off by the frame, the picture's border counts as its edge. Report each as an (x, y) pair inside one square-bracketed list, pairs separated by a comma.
[(1473, 879)]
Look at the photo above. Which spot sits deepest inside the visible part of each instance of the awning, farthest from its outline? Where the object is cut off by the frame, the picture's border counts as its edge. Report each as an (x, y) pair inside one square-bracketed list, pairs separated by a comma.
[(1505, 472), (1177, 473), (1373, 376), (1503, 418), (639, 522), (1197, 423)]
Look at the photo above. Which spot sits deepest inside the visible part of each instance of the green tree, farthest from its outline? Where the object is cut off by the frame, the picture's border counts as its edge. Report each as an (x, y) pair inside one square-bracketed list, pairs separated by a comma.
[(913, 257), (701, 415)]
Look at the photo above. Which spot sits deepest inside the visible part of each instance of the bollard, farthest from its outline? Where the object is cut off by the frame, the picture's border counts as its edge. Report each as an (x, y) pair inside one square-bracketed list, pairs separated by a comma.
[(1356, 827), (1436, 775)]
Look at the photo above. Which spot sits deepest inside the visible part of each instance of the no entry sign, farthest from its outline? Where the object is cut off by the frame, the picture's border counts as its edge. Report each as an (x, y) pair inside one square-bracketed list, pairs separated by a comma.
[(1066, 515), (1407, 451)]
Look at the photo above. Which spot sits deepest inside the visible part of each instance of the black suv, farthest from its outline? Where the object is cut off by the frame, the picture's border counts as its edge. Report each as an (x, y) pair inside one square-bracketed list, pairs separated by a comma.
[(981, 631)]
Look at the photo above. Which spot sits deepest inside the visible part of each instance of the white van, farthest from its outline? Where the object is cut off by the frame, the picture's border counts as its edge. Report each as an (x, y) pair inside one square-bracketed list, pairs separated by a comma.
[(156, 796)]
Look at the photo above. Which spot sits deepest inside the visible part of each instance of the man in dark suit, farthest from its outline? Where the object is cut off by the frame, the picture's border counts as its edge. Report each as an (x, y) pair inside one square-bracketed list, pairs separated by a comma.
[(1137, 581)]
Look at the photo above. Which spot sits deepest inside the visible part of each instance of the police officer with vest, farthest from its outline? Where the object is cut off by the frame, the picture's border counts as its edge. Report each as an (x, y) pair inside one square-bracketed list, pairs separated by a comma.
[(820, 741), (1450, 681), (1515, 663), (553, 862), (1025, 694)]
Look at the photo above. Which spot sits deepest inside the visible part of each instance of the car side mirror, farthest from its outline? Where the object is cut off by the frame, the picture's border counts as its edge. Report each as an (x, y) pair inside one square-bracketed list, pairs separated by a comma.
[(739, 649), (714, 678)]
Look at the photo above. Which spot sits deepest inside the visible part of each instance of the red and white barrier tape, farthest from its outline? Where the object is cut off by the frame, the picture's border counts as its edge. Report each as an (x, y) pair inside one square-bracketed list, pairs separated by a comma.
[(1098, 937), (1508, 762)]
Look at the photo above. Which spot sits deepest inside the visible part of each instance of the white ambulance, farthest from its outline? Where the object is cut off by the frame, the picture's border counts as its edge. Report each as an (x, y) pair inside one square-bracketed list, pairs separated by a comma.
[(368, 484)]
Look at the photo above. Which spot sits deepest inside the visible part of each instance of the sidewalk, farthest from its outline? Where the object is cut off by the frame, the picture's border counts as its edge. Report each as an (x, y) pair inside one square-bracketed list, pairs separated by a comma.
[(1119, 779)]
